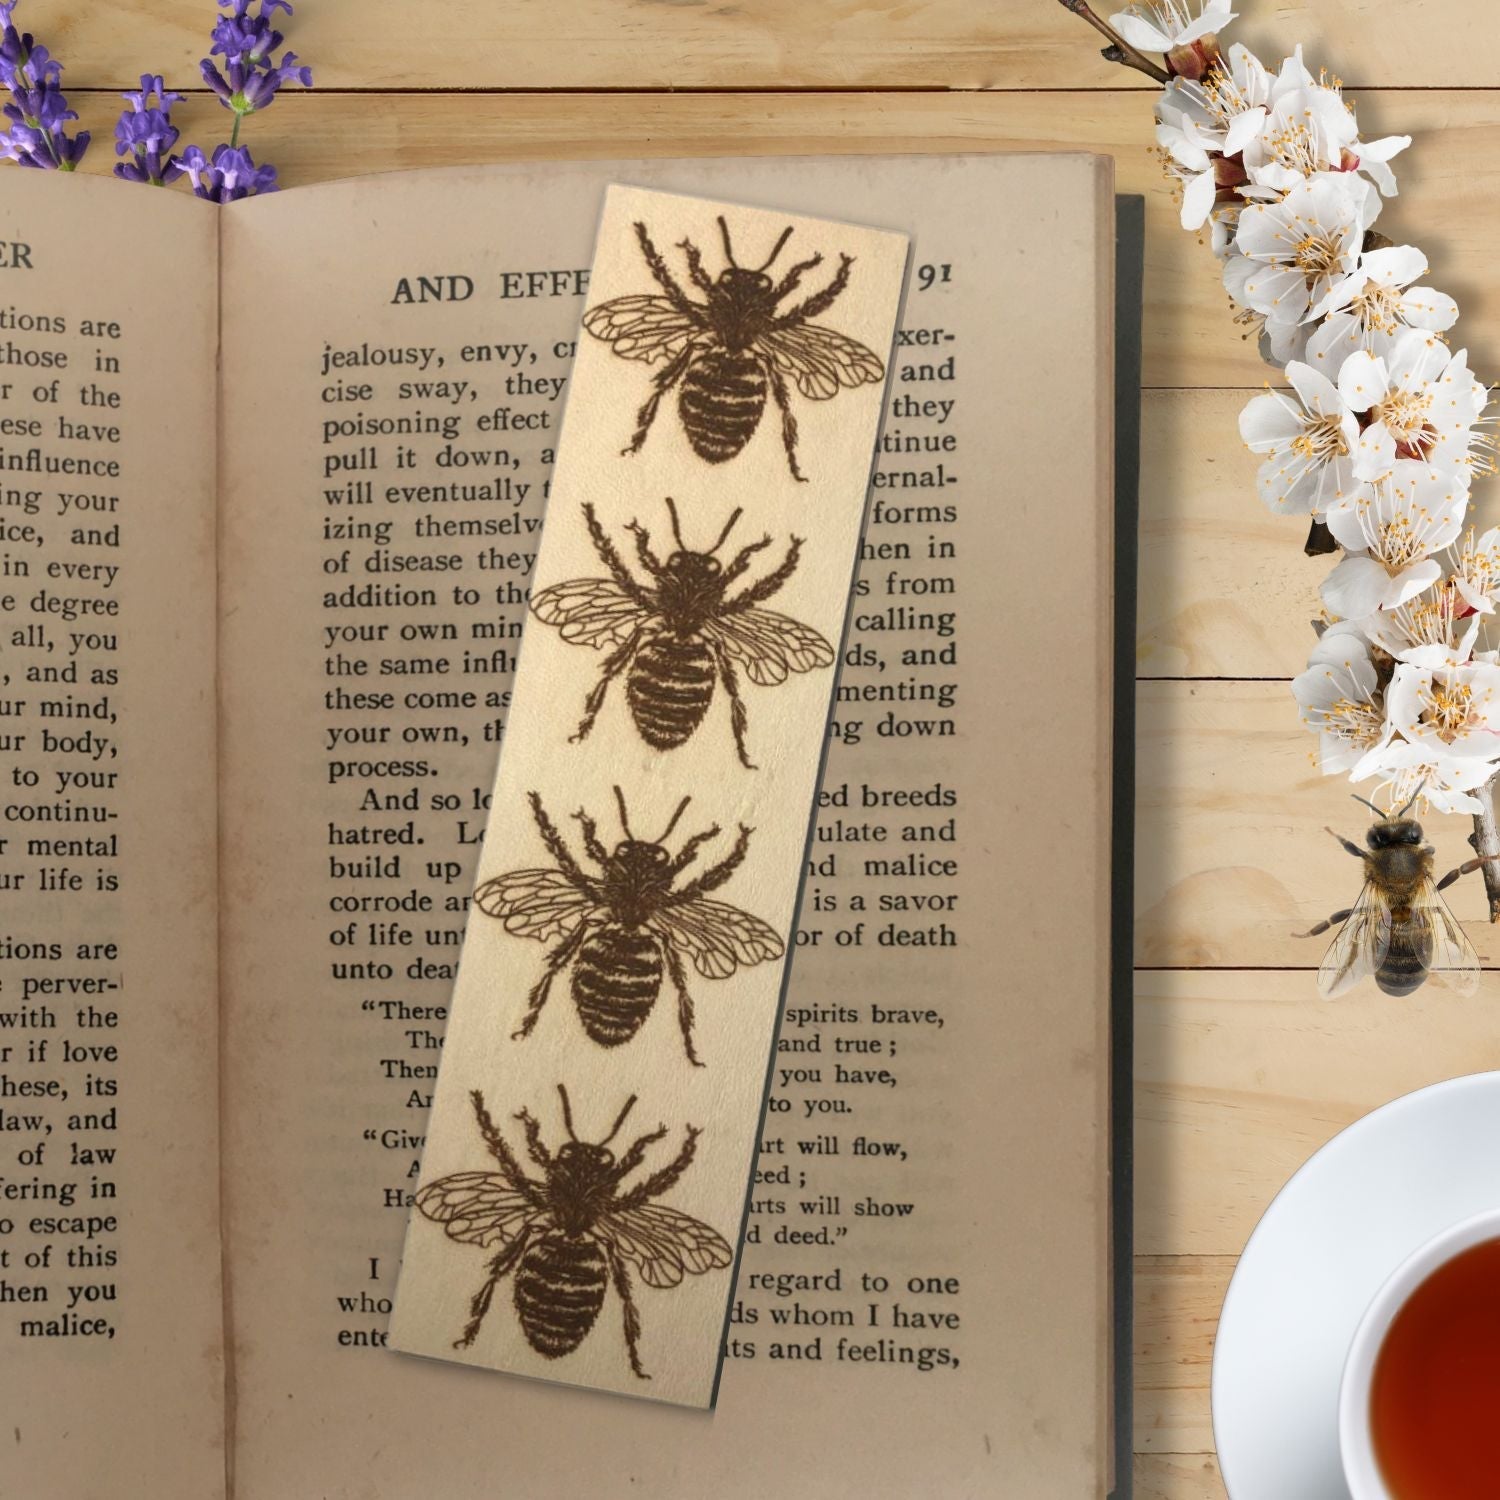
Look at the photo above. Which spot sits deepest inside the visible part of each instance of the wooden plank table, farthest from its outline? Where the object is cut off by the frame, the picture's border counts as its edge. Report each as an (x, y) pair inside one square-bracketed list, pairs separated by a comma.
[(1242, 1072)]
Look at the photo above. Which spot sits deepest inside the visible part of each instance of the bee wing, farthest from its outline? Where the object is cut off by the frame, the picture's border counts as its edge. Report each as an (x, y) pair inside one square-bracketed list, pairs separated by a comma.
[(820, 360), (644, 328), (768, 645), (540, 904), (718, 936), (480, 1208), (593, 612), (1454, 961), (664, 1244), (1360, 947)]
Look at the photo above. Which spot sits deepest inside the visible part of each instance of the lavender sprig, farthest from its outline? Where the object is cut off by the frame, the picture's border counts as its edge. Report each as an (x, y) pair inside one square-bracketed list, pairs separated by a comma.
[(145, 134), (246, 44), (38, 110), (230, 175)]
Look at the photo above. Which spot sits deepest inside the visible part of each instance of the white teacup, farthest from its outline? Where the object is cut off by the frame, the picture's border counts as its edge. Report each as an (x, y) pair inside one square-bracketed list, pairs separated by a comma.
[(1356, 1441)]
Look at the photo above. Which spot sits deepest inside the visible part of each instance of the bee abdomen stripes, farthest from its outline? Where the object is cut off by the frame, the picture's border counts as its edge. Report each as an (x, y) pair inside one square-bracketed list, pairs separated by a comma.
[(723, 396), (670, 686), (559, 1290), (615, 982), (1406, 963)]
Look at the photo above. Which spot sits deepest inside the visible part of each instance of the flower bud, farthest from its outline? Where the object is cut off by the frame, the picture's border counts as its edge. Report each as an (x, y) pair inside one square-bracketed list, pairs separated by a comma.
[(1193, 60)]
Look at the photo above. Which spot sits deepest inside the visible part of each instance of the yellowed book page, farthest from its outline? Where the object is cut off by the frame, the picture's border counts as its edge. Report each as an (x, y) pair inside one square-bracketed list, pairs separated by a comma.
[(111, 1353), (922, 1305)]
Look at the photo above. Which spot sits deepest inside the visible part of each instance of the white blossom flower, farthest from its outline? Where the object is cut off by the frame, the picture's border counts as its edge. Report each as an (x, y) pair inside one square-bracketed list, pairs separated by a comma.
[(1203, 126), (1309, 128), (1421, 402), (1164, 25), (1390, 531), (1340, 699), (1436, 629), (1234, 95), (1372, 159), (1311, 437), (1290, 253), (1405, 770), (1451, 712), (1194, 148), (1476, 578), (1369, 307)]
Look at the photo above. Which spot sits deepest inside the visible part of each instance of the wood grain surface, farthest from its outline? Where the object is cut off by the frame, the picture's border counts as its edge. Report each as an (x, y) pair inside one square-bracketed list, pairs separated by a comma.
[(1242, 1073)]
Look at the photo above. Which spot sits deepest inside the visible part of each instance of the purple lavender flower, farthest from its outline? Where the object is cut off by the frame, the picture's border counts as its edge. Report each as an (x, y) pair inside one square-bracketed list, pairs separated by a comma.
[(37, 110), (251, 77), (145, 134), (231, 175)]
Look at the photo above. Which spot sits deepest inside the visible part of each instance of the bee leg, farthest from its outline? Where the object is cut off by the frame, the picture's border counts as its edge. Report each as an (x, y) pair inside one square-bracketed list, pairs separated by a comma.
[(621, 1278), (538, 996), (684, 1002), (694, 256), (1467, 868), (614, 562), (742, 561), (711, 879), (788, 421), (738, 718), (632, 1158), (793, 278), (591, 843), (649, 560), (1348, 844), (661, 383), (499, 1268), (664, 278), (819, 302), (505, 1158), (536, 1148), (772, 583), (1322, 927), (689, 851), (560, 851), (595, 700), (660, 1182)]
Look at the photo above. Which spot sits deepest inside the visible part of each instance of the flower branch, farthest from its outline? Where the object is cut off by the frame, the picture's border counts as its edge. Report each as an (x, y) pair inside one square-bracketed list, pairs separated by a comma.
[(1377, 435), (1118, 50)]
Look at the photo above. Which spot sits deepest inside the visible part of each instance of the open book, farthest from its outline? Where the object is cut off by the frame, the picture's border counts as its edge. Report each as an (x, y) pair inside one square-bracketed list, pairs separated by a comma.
[(270, 481)]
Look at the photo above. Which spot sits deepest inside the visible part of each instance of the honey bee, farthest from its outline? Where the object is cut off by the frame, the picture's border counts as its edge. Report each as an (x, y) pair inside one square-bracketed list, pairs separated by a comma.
[(1400, 929), (621, 929), (729, 350), (675, 637), (570, 1232)]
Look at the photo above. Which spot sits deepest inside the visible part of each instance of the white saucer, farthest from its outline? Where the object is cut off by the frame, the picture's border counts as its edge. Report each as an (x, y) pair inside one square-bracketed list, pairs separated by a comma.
[(1334, 1234)]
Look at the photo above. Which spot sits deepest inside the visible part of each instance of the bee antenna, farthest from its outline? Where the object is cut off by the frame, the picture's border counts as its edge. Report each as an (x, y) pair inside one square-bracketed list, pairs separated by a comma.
[(676, 525), (567, 1112), (728, 248), (728, 527), (681, 808), (624, 821), (629, 1105), (1366, 801), (786, 234), (1422, 787)]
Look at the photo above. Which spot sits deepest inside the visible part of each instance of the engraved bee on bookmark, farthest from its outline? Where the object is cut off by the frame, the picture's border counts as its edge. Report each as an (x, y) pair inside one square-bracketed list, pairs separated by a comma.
[(676, 635), (570, 1233), (730, 350), (630, 925)]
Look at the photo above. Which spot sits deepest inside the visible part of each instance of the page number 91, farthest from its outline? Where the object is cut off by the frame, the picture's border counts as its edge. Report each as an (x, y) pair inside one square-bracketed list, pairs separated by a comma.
[(929, 276)]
